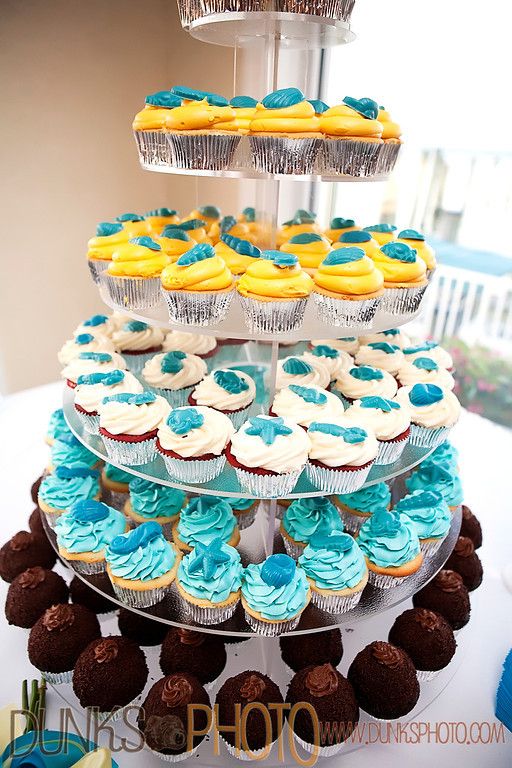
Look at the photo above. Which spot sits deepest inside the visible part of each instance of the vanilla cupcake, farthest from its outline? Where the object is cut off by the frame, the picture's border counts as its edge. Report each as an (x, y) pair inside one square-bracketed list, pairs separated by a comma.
[(429, 349), (304, 405), (391, 546), (393, 335), (310, 248), (237, 253), (98, 325), (173, 375), (405, 279), (424, 370), (348, 344), (91, 389), (380, 354), (227, 390), (194, 343), (204, 519), (338, 226), (362, 380), (416, 240), (335, 360), (175, 242), (434, 411), (132, 278), (83, 342), (382, 233), (159, 218), (91, 362), (138, 342), (389, 419), (298, 370), (128, 426), (358, 239), (100, 248)]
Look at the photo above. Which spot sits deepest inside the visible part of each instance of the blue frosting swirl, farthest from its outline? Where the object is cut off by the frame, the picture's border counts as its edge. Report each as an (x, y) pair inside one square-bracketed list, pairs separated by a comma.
[(355, 236), (206, 518), (334, 562), (445, 455), (274, 603), (367, 500), (108, 228), (366, 107), (68, 451), (239, 504), (429, 512), (165, 99), (343, 256), (439, 478), (399, 252), (243, 247), (309, 516), (284, 97), (57, 423), (243, 102), (183, 420), (117, 475), (193, 94), (389, 539), (66, 485), (309, 395), (142, 554), (199, 252), (89, 526), (152, 501), (211, 572)]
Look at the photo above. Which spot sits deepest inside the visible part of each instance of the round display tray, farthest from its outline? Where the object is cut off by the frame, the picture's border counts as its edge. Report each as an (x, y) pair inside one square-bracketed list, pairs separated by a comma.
[(250, 173), (227, 483), (252, 550)]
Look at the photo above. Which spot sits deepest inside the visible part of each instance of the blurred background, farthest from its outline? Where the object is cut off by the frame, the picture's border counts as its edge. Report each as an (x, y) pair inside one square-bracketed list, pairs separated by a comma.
[(73, 75)]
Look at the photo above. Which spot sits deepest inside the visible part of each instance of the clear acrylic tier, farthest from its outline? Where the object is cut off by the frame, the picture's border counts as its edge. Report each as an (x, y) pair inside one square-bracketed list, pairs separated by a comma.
[(251, 173)]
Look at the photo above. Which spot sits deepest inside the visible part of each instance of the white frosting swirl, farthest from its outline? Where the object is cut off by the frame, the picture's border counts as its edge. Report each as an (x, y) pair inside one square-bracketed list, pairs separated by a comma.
[(288, 453), (193, 370), (354, 388), (70, 349), (208, 392), (385, 424), (79, 367), (129, 419), (211, 437), (117, 320), (437, 353), (90, 396), (292, 406), (333, 451), (349, 345), (194, 343), (409, 374), (401, 339), (444, 413), (138, 341), (318, 375), (334, 365), (378, 358)]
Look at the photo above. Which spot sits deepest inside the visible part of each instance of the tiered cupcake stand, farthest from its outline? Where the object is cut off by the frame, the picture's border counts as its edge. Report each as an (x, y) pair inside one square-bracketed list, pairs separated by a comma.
[(272, 33)]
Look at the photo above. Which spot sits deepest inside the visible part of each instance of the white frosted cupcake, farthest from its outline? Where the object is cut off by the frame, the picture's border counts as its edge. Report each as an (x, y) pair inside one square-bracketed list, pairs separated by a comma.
[(429, 349), (434, 411), (194, 343), (393, 335), (83, 342), (192, 443), (128, 426), (173, 375), (298, 370), (349, 344), (268, 454), (341, 455), (335, 360), (306, 404), (389, 419), (138, 342), (98, 325), (94, 387), (91, 362), (364, 380), (227, 390), (380, 354), (424, 370)]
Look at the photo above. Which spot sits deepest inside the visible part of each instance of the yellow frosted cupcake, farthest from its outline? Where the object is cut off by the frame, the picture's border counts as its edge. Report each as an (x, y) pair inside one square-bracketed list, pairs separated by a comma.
[(195, 228), (362, 240), (237, 253), (159, 218), (404, 275), (150, 129), (109, 236), (257, 229), (134, 224), (391, 134), (175, 242), (228, 225), (338, 227), (310, 249), (416, 240), (244, 108), (353, 137), (210, 214), (285, 133), (382, 233), (274, 293), (198, 287), (132, 279), (302, 221), (348, 288)]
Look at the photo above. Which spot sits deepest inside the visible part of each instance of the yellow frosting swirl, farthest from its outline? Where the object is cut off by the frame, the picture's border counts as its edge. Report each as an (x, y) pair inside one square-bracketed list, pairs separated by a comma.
[(198, 116), (209, 274), (174, 248), (299, 118), (237, 263), (333, 234), (353, 278), (344, 121), (132, 260), (383, 237), (390, 130), (370, 247), (395, 271), (240, 229), (242, 120), (104, 247), (264, 280), (290, 230), (151, 119), (423, 249), (136, 228), (197, 214), (309, 254), (157, 223)]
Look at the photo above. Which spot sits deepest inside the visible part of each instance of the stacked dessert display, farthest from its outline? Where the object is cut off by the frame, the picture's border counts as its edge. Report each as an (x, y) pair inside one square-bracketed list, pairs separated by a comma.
[(251, 445)]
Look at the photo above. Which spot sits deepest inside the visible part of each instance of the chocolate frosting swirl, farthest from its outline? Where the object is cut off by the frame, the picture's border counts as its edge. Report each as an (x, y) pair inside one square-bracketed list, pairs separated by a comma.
[(464, 547), (189, 637), (321, 681), (20, 541), (177, 691), (106, 650), (387, 655), (449, 581), (427, 620), (252, 688), (58, 618), (32, 577)]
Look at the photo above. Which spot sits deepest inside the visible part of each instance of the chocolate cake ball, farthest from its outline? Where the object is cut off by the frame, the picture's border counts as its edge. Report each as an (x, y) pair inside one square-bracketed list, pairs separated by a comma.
[(333, 699), (465, 561), (35, 523), (447, 595), (34, 490), (384, 681), (59, 636), (24, 550), (164, 716), (244, 689), (110, 673), (471, 527), (312, 650), (202, 655), (141, 630), (83, 594), (31, 593), (426, 636)]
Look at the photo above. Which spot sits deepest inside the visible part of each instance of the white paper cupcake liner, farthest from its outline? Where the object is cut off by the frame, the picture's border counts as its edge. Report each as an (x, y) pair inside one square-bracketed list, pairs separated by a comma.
[(136, 598), (383, 581), (245, 519), (88, 569), (340, 10), (136, 362), (337, 480), (427, 437), (178, 758), (208, 616), (388, 155), (239, 754), (402, 301), (199, 308), (91, 422), (132, 292), (154, 149), (176, 397), (335, 603), (429, 548), (273, 316), (293, 548), (390, 451), (352, 523), (116, 499), (267, 486), (274, 154), (330, 751), (194, 470), (350, 158), (130, 453), (271, 628), (425, 676), (345, 313), (58, 678), (96, 267), (203, 151)]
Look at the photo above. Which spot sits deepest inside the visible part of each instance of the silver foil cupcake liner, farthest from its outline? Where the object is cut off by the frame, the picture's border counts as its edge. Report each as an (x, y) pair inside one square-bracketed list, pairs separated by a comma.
[(273, 316), (96, 267), (383, 581), (293, 548), (51, 518), (91, 422), (175, 397), (130, 453), (189, 11), (178, 758), (345, 313), (335, 603), (234, 6), (388, 155), (275, 154), (136, 598), (199, 308), (330, 751), (203, 151), (88, 569), (208, 616), (239, 754), (427, 437), (352, 523), (350, 158), (402, 301), (429, 548), (267, 486), (390, 451), (237, 418), (425, 676), (271, 628), (154, 149), (58, 678), (194, 470), (136, 362), (245, 519), (340, 10), (337, 480), (115, 499), (132, 292)]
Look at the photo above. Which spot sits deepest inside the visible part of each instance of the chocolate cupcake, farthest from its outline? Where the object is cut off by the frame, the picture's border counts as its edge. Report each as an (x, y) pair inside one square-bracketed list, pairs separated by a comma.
[(312, 650), (31, 593), (164, 717), (58, 638), (465, 561), (384, 680), (428, 639), (25, 550), (333, 700), (245, 689), (35, 523), (82, 594), (141, 630), (447, 595), (110, 673), (202, 655), (34, 490), (471, 527)]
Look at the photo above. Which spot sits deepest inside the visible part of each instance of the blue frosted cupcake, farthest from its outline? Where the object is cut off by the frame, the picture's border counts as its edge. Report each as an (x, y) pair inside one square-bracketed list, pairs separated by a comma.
[(355, 508), (142, 565), (115, 483), (203, 519), (244, 510), (431, 517), (68, 451), (336, 571), (445, 456), (209, 581), (433, 477), (65, 486), (85, 531), (274, 595), (305, 518), (391, 547), (151, 501), (56, 424)]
